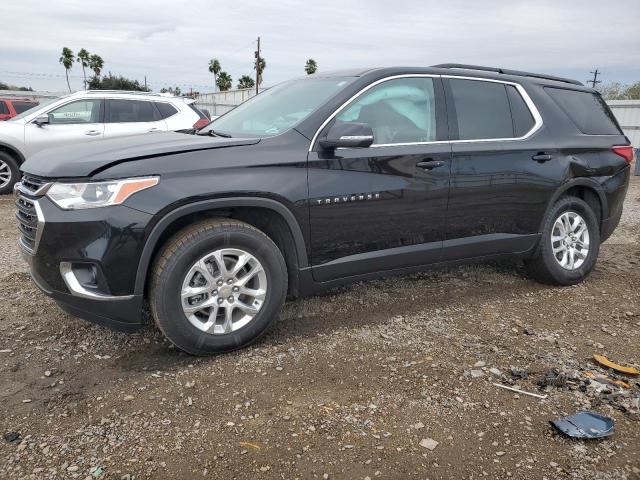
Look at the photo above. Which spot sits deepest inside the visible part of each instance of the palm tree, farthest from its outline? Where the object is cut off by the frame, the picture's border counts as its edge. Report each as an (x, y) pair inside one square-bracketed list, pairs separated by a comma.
[(83, 59), (67, 59), (263, 65), (224, 81), (96, 63), (311, 67), (215, 68), (246, 82)]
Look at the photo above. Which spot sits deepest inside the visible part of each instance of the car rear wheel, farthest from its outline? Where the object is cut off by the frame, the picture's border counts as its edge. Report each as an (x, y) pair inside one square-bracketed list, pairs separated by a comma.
[(217, 286), (570, 244), (9, 173)]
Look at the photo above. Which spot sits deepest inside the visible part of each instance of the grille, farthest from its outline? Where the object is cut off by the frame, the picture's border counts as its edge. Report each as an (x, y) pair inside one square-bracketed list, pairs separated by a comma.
[(32, 184), (27, 223)]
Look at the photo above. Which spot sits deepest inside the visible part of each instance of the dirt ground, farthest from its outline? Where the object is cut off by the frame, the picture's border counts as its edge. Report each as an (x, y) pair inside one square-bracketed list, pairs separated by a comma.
[(347, 385)]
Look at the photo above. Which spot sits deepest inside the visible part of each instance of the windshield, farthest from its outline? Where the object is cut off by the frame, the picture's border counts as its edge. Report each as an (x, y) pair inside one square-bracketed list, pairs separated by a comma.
[(42, 104), (279, 108)]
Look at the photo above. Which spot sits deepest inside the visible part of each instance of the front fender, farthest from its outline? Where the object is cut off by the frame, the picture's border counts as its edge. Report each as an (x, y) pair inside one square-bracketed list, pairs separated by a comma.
[(201, 206)]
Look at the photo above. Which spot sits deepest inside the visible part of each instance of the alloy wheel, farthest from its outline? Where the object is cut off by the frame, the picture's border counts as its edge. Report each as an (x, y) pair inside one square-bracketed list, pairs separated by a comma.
[(5, 174), (223, 291), (570, 240)]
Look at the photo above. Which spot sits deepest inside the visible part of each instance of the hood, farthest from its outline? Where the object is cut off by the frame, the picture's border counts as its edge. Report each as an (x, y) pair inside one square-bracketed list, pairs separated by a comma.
[(82, 160)]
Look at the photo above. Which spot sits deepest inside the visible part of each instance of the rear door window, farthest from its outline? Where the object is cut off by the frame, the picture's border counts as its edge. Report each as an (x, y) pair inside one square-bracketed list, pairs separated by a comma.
[(23, 106), (522, 119), (130, 111), (166, 109), (587, 110), (482, 109)]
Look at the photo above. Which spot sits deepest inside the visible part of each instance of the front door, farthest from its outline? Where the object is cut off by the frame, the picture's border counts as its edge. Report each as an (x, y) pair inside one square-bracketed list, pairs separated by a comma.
[(382, 207), (78, 121)]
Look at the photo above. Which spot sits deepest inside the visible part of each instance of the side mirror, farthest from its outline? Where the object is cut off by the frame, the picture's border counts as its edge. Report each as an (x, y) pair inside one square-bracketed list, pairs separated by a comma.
[(42, 120), (348, 135)]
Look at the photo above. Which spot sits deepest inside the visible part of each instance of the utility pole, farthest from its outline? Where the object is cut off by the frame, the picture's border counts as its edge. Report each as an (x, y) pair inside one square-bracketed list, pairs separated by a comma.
[(145, 82), (595, 80), (258, 66)]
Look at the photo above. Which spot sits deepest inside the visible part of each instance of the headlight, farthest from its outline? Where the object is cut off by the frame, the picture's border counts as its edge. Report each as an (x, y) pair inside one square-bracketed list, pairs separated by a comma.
[(76, 196)]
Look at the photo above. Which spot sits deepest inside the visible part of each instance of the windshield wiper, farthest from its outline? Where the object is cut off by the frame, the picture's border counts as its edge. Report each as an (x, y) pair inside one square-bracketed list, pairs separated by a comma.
[(213, 133)]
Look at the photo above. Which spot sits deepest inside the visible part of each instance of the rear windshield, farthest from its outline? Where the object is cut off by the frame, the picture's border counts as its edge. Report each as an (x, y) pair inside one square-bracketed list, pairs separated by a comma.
[(195, 109), (21, 107), (588, 111)]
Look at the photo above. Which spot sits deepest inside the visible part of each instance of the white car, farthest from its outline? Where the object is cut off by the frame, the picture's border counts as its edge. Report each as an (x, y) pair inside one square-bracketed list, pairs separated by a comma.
[(89, 116)]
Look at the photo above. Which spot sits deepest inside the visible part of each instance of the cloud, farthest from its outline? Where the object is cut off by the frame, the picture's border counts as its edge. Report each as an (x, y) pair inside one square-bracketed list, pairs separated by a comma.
[(171, 42)]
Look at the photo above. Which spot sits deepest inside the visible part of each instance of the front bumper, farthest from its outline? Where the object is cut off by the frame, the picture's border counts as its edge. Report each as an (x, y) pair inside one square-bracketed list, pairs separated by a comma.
[(87, 261)]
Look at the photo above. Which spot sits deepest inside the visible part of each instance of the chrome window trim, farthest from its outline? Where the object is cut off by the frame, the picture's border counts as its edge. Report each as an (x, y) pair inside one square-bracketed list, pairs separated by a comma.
[(523, 93), (77, 290)]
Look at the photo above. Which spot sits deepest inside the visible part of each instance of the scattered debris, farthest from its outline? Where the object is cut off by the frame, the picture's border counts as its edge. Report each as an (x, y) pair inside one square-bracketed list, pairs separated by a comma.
[(519, 373), (12, 437), (513, 389), (96, 472), (553, 378), (249, 444), (605, 362), (429, 443), (607, 380), (585, 425)]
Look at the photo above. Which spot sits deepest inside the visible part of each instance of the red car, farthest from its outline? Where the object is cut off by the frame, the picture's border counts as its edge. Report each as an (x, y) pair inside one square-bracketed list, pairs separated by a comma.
[(9, 108)]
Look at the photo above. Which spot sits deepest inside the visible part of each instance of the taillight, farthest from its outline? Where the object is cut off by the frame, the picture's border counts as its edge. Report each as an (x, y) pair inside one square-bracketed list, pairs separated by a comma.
[(625, 151), (203, 122)]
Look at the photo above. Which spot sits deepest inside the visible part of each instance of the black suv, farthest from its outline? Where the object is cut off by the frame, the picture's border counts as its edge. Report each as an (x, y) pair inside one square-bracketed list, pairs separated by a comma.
[(321, 181)]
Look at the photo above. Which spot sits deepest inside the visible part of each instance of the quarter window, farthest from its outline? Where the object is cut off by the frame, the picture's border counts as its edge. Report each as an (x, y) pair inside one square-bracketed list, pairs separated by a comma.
[(130, 111), (482, 109), (587, 110), (81, 111), (166, 110), (3, 108), (399, 111)]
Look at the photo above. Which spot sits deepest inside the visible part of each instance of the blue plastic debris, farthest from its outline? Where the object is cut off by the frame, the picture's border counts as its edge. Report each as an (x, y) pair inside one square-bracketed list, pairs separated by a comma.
[(585, 425)]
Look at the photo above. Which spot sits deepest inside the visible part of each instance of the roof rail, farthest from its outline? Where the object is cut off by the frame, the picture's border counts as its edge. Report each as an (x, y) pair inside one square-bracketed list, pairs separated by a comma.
[(507, 72), (133, 92)]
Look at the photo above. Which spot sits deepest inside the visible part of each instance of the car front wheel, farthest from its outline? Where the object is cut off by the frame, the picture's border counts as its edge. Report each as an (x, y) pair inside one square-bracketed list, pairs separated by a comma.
[(9, 173), (217, 286)]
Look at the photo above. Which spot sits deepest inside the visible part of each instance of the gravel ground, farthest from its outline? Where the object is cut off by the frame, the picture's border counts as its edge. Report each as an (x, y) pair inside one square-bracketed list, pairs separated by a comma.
[(357, 384)]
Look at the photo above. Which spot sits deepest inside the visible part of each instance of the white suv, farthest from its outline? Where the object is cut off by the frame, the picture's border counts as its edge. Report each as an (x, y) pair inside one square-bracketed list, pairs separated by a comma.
[(89, 116)]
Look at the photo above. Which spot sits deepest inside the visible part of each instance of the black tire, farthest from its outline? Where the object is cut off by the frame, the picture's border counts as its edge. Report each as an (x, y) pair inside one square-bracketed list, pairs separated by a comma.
[(181, 252), (12, 166), (544, 267)]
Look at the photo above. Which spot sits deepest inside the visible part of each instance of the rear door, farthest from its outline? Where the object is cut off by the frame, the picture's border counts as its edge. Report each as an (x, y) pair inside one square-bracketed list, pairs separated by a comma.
[(382, 207), (501, 177), (125, 117), (78, 121)]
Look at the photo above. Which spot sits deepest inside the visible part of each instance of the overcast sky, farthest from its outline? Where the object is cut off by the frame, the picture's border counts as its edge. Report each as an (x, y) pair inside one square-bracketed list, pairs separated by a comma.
[(171, 42)]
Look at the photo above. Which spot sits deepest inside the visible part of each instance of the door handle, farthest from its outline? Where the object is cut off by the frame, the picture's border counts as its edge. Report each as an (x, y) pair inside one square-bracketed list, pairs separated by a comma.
[(93, 133), (153, 129), (542, 157), (429, 164)]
